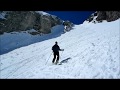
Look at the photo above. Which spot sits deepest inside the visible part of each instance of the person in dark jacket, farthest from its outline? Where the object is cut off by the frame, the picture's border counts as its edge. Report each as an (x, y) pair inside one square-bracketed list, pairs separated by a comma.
[(56, 50)]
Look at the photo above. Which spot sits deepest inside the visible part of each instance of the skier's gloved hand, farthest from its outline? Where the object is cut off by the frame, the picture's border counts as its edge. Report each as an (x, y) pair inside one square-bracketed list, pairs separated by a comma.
[(62, 49)]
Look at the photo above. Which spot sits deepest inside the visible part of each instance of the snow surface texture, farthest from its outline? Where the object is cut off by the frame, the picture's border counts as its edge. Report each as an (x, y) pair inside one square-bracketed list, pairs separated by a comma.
[(93, 49)]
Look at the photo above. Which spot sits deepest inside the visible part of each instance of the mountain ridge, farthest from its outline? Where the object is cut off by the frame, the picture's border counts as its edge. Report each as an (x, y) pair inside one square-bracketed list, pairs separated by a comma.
[(100, 16), (18, 21)]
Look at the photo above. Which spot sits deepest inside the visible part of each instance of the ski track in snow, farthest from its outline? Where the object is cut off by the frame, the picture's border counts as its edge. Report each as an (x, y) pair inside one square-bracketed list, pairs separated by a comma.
[(93, 48)]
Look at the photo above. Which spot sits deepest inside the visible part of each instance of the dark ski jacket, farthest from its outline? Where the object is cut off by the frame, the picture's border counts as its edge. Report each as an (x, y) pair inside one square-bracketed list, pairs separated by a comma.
[(56, 48)]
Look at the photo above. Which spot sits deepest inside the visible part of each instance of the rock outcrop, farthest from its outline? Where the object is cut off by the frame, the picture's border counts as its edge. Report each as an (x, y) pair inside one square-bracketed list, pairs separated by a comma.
[(26, 20), (105, 15)]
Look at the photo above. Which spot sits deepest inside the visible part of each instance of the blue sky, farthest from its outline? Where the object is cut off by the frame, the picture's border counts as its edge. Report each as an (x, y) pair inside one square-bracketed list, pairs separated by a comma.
[(76, 17)]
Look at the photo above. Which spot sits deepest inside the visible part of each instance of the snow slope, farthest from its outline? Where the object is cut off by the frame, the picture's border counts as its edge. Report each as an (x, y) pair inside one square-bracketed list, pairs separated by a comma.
[(42, 13), (93, 48), (11, 41)]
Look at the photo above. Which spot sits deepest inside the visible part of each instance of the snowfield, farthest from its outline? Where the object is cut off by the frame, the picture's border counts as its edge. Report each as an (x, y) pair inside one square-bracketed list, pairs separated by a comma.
[(14, 40), (94, 50)]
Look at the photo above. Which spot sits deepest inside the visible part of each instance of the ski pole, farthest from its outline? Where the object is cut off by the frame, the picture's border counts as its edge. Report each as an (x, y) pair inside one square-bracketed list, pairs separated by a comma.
[(48, 58), (61, 54)]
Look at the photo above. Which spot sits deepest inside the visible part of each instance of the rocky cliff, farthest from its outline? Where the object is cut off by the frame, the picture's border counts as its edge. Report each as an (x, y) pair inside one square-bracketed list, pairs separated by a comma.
[(105, 15), (26, 20)]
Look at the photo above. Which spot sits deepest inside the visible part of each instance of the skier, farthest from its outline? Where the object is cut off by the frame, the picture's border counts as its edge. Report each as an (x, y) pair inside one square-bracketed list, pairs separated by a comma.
[(56, 50)]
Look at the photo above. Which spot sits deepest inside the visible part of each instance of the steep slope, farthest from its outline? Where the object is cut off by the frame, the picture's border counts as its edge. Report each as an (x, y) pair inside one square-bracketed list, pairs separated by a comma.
[(14, 40), (22, 28), (93, 49)]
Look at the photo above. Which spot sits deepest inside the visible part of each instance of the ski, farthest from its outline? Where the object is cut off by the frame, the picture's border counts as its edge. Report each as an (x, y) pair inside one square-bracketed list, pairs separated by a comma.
[(63, 61)]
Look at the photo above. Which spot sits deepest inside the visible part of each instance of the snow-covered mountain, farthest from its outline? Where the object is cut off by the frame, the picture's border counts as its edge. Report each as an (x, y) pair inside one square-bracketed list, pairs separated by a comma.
[(93, 49), (14, 40), (22, 28)]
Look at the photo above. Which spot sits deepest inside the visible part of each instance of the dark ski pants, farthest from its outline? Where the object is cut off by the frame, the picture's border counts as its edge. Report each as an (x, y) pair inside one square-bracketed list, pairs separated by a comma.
[(55, 54)]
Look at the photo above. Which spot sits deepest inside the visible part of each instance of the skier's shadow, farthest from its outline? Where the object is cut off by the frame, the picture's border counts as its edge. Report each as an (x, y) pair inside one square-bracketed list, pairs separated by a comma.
[(65, 60)]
